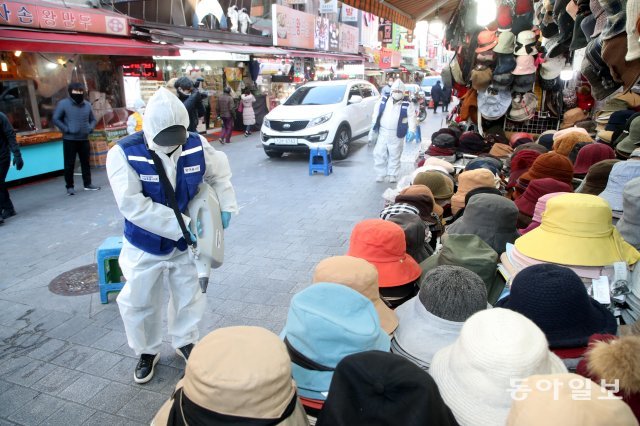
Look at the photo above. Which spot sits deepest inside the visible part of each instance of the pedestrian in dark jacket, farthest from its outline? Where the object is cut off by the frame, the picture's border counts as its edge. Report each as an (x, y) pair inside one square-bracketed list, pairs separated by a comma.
[(225, 112), (446, 97), (436, 96), (8, 145), (192, 98), (74, 117)]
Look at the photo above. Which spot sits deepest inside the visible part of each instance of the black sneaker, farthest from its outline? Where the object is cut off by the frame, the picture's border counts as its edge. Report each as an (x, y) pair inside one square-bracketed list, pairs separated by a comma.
[(91, 188), (7, 213), (144, 369), (185, 351)]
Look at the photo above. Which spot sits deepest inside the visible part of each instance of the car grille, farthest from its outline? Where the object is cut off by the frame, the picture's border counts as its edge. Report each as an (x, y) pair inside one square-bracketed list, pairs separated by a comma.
[(288, 126)]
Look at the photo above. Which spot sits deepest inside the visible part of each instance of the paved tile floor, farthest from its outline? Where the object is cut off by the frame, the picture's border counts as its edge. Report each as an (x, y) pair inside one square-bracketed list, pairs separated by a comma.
[(65, 360)]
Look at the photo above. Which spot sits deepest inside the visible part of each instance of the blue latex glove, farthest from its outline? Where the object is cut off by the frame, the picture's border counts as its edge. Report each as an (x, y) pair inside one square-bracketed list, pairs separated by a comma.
[(411, 135), (193, 237), (199, 227), (226, 218)]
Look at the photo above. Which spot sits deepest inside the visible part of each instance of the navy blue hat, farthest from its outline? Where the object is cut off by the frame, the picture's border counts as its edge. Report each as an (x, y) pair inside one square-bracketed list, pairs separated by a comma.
[(556, 300), (488, 163), (546, 141), (618, 119), (506, 63)]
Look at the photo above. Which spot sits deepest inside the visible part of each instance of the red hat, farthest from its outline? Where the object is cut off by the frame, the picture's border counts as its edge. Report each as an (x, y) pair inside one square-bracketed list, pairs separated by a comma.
[(520, 163), (383, 244), (523, 6), (537, 188), (590, 155), (504, 18), (518, 137), (552, 165)]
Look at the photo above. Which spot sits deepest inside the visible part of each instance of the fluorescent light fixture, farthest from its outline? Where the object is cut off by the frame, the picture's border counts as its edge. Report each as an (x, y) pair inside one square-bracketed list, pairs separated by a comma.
[(3, 67), (52, 65)]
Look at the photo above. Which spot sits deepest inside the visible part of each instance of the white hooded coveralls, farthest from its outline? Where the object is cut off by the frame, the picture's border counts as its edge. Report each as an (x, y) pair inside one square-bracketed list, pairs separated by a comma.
[(140, 301), (388, 149)]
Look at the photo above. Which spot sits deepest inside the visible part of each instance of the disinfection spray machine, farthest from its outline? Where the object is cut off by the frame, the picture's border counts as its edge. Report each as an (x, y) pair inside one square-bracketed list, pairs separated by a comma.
[(206, 225)]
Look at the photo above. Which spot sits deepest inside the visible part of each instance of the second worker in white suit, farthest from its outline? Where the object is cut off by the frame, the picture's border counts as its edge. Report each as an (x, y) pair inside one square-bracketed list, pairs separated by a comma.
[(394, 118), (153, 245)]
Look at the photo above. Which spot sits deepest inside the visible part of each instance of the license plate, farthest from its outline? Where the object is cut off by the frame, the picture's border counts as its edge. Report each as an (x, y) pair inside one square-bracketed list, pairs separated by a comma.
[(285, 141)]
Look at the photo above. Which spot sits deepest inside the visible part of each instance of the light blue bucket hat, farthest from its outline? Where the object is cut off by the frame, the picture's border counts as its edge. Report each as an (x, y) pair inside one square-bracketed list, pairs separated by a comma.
[(620, 175), (326, 322)]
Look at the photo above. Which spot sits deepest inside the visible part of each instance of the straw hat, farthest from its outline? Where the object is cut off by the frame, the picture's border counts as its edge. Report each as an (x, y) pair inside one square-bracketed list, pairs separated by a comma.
[(361, 276)]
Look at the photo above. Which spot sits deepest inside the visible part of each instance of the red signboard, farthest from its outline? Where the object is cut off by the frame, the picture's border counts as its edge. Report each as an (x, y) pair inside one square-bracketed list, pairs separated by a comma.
[(48, 17), (140, 69)]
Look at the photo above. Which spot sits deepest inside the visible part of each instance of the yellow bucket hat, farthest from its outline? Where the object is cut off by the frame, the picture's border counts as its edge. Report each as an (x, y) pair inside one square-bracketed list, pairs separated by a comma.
[(576, 229)]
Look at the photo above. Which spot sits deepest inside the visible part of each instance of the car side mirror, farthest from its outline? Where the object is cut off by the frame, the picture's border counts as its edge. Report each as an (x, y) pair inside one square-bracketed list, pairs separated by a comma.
[(355, 99)]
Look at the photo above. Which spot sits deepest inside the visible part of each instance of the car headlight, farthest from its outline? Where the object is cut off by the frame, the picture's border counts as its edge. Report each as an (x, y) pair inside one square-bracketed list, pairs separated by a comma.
[(319, 120), (266, 123)]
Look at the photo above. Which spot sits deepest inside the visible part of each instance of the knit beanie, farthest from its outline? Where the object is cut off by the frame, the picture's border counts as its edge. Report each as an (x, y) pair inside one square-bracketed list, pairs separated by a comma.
[(564, 144), (453, 293), (546, 140), (440, 185)]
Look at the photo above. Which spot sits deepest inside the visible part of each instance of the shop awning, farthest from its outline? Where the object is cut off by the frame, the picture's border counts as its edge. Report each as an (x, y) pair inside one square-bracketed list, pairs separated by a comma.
[(325, 55), (48, 42), (232, 48), (406, 12)]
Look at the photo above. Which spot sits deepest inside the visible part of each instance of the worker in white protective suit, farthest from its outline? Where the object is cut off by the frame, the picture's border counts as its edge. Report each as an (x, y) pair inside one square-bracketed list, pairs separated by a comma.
[(134, 122), (153, 244), (232, 14), (244, 19), (394, 118)]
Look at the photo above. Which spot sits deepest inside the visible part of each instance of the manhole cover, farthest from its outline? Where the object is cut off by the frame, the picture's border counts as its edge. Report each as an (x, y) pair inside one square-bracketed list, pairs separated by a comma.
[(76, 282)]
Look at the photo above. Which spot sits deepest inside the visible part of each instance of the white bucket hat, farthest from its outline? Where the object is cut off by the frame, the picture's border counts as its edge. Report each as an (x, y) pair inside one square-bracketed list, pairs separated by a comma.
[(525, 43), (551, 67), (496, 349)]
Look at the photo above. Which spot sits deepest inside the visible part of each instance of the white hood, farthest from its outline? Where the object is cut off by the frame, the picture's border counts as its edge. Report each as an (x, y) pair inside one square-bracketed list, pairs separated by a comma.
[(398, 85), (163, 110), (138, 105)]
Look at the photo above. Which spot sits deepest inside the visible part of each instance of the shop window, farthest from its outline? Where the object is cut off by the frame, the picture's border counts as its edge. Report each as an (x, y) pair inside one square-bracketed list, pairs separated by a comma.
[(16, 102)]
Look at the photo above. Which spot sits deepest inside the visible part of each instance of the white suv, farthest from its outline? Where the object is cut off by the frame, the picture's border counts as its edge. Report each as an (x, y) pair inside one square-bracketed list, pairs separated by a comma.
[(323, 113)]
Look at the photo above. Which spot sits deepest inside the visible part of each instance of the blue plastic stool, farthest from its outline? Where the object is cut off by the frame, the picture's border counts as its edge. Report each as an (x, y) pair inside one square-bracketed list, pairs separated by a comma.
[(320, 161), (109, 274)]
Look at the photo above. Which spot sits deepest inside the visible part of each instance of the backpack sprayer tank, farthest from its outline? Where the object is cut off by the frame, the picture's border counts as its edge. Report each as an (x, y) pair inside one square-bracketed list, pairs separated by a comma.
[(206, 225)]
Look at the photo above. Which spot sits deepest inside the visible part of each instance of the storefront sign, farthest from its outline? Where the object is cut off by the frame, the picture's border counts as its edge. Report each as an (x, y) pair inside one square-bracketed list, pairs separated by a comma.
[(369, 30), (396, 59), (294, 2), (348, 39), (292, 28), (57, 18), (140, 69), (386, 31), (328, 6), (349, 14), (321, 36), (422, 63), (385, 58)]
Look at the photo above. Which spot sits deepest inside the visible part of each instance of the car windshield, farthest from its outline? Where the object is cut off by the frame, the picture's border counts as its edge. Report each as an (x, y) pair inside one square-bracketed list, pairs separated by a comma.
[(413, 88), (430, 81), (317, 95)]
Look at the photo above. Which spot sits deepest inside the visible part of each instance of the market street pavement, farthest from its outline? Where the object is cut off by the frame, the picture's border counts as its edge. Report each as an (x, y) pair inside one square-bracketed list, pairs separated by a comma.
[(65, 360)]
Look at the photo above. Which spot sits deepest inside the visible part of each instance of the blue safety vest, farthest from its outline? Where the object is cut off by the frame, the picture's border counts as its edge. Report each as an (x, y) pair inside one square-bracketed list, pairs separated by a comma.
[(403, 123), (190, 173)]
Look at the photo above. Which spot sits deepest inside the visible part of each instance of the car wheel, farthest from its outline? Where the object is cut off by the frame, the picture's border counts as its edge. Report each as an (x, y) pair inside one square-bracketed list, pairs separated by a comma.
[(341, 143), (273, 154)]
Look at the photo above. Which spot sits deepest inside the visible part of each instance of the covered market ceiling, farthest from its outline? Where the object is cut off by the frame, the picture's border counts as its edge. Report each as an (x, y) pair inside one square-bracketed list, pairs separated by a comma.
[(407, 12)]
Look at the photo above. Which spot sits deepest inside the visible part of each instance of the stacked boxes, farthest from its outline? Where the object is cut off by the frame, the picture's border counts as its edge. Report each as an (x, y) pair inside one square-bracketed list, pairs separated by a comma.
[(100, 141)]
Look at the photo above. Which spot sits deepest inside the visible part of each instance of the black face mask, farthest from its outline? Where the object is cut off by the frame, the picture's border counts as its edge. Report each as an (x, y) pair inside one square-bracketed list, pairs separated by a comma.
[(77, 97)]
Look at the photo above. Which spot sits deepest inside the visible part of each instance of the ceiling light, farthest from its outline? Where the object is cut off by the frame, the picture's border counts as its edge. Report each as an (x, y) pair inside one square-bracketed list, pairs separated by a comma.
[(18, 53)]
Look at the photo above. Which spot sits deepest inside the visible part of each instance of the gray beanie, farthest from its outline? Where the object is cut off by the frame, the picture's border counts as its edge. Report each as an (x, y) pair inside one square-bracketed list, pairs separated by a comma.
[(453, 293)]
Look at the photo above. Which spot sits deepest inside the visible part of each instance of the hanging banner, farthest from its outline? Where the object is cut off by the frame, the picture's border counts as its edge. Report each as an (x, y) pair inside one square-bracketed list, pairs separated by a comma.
[(349, 14), (369, 30), (328, 6), (292, 28), (386, 31), (59, 18), (334, 35), (321, 33), (348, 39)]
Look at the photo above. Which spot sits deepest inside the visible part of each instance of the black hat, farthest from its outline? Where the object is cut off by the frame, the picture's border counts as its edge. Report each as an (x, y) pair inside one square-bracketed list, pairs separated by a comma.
[(556, 300), (171, 136), (522, 22), (381, 388), (481, 190), (473, 143), (588, 26), (183, 83), (506, 63), (579, 39), (554, 84), (523, 83), (444, 138), (414, 233), (502, 81)]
